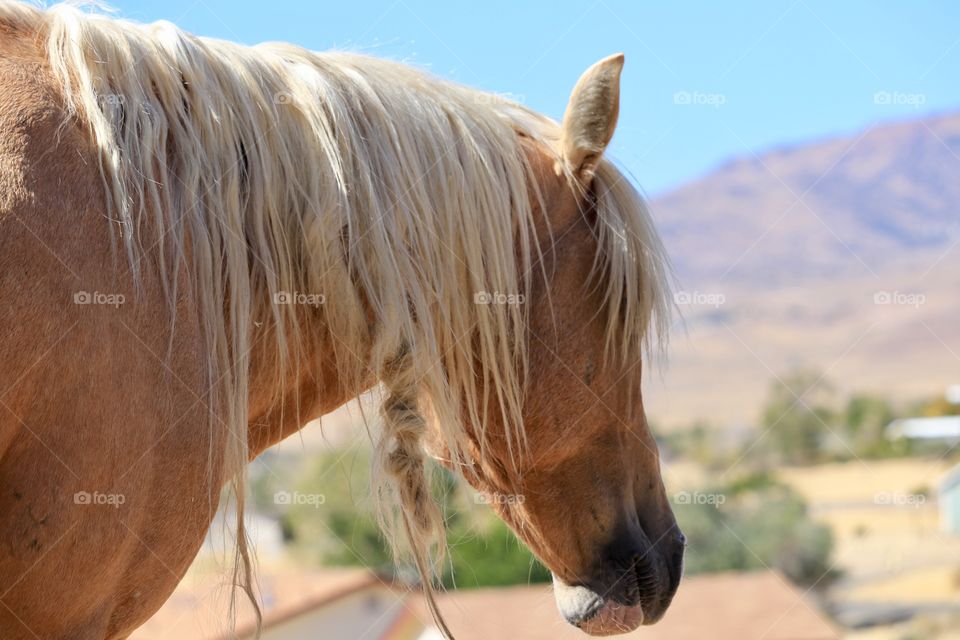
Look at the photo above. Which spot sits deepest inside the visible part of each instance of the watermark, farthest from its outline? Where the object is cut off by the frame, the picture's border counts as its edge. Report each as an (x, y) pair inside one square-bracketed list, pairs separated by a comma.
[(298, 297), (900, 98), (695, 497), (701, 298), (96, 297), (296, 498), (117, 103), (899, 499), (494, 98), (484, 297), (700, 99), (282, 97), (499, 498), (110, 100), (899, 298), (99, 499)]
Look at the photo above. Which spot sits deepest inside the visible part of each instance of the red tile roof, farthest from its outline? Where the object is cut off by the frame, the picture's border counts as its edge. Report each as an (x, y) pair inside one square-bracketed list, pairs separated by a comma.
[(198, 608), (728, 606)]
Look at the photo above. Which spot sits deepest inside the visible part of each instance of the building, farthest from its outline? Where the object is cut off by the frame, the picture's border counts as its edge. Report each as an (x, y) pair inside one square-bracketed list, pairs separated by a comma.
[(948, 501), (351, 604), (727, 606), (331, 604), (942, 428)]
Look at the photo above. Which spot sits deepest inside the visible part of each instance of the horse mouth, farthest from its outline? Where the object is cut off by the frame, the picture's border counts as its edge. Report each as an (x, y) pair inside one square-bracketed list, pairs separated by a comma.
[(635, 606), (612, 618), (641, 597)]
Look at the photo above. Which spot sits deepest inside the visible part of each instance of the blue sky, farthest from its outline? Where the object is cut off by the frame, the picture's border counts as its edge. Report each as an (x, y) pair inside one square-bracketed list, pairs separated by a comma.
[(704, 81)]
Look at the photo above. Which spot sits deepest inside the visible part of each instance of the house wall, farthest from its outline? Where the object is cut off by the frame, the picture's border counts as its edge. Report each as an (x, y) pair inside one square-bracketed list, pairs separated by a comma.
[(949, 503)]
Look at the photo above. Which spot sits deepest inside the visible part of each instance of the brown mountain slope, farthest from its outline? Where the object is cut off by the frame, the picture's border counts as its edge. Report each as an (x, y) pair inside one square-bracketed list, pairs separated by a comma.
[(839, 255)]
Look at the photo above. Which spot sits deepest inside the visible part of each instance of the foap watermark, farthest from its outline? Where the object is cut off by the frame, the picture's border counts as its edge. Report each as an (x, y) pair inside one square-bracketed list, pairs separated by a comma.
[(699, 99), (499, 498), (899, 499), (98, 297), (696, 497), (282, 97), (899, 298), (117, 103), (298, 297), (494, 98), (97, 498), (701, 298), (899, 98), (485, 297), (110, 100), (288, 498)]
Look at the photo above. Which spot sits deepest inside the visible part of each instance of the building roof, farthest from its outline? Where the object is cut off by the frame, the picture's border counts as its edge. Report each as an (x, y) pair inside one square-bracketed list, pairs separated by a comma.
[(727, 606), (935, 428), (198, 609)]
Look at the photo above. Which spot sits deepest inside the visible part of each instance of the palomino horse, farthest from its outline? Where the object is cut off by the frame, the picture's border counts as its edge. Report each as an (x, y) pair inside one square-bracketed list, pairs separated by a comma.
[(205, 245)]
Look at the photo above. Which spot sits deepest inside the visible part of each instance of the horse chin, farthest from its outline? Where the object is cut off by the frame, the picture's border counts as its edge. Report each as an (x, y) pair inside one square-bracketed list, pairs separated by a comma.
[(594, 614), (613, 619)]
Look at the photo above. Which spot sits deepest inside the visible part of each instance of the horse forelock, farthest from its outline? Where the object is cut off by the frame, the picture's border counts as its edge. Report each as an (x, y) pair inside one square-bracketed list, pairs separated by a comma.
[(394, 199)]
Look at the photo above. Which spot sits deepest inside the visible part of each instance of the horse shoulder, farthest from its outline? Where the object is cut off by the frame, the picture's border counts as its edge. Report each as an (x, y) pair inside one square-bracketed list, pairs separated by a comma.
[(91, 400)]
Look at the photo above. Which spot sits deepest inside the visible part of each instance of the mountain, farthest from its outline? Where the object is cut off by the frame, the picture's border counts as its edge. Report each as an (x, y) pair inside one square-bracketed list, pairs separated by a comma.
[(841, 255)]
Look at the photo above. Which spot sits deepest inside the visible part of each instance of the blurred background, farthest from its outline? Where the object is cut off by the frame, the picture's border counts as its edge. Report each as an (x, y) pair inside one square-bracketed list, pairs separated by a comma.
[(802, 162)]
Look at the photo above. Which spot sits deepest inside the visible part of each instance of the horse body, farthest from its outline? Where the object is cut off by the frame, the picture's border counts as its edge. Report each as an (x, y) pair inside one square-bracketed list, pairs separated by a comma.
[(75, 415), (117, 416), (115, 444)]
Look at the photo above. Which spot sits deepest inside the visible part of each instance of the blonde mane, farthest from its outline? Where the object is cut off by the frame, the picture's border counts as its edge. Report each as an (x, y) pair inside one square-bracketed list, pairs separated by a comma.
[(394, 196)]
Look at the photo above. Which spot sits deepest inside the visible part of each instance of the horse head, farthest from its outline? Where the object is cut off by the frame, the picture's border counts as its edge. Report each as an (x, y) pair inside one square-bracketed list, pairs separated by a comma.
[(584, 490)]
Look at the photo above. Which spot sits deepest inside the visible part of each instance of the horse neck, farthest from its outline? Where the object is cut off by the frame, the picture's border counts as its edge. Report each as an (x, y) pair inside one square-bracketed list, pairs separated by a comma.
[(312, 384)]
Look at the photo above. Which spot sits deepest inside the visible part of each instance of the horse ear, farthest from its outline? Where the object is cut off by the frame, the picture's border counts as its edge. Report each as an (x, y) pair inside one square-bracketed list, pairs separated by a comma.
[(591, 117)]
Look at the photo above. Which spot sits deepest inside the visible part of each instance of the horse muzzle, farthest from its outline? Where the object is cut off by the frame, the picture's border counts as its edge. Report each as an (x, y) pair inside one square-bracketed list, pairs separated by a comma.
[(633, 587)]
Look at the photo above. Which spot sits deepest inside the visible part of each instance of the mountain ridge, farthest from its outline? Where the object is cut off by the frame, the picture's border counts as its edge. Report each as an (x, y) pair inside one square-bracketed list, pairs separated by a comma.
[(800, 244)]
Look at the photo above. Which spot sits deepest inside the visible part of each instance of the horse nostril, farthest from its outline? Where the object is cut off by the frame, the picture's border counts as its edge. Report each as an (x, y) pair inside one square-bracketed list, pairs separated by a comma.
[(681, 539)]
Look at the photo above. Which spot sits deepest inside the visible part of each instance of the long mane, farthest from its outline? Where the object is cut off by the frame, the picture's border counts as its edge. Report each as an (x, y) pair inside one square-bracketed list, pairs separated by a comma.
[(395, 196)]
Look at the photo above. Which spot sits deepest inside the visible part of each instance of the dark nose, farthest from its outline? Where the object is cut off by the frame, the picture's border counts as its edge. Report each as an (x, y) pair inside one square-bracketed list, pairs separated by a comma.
[(675, 560), (658, 565)]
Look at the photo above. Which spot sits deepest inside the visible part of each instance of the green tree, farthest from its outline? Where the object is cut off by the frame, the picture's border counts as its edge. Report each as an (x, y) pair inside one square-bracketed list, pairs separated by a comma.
[(491, 557), (697, 443), (865, 421), (796, 416), (939, 406), (339, 527), (754, 523)]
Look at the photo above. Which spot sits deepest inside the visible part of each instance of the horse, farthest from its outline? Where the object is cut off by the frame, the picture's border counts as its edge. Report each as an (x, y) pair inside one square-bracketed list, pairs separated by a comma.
[(204, 246)]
